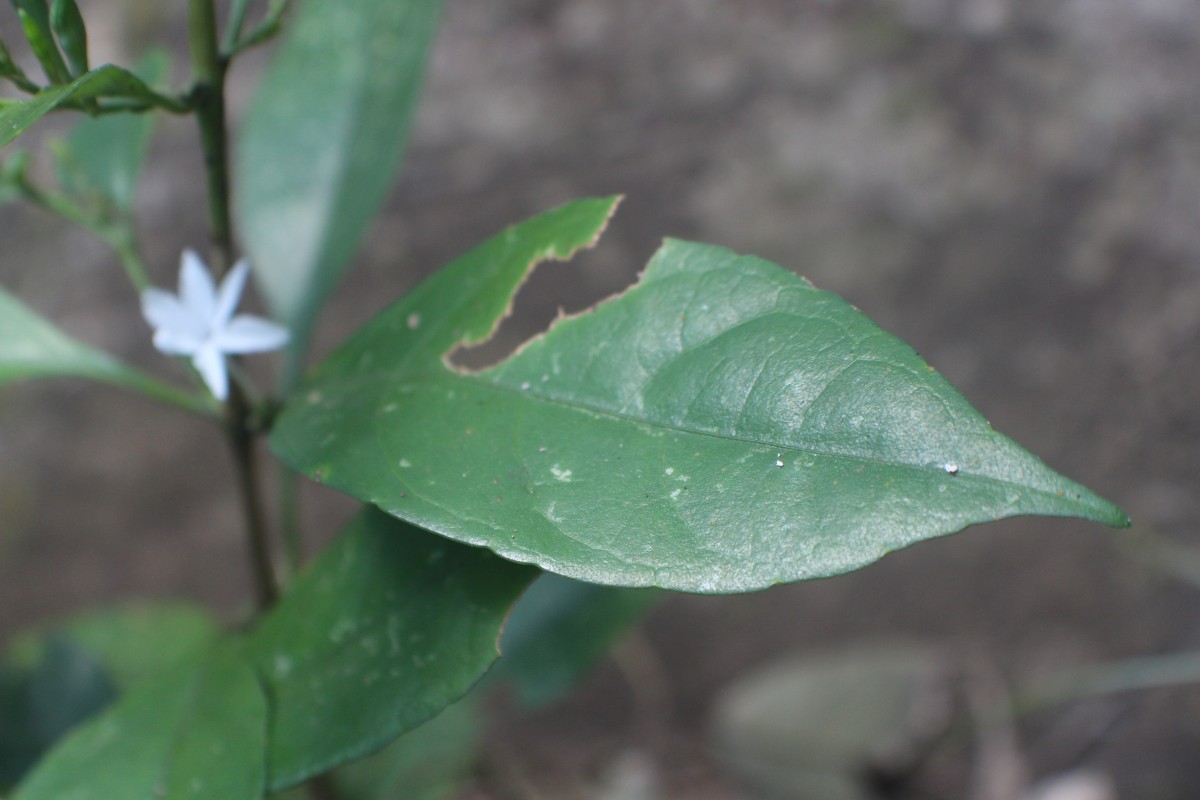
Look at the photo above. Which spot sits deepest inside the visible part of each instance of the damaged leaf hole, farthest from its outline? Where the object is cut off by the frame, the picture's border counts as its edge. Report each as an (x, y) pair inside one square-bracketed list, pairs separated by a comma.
[(556, 289)]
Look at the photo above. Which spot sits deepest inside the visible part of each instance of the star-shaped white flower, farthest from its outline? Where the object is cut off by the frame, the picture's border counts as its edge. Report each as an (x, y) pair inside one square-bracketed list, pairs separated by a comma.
[(199, 322)]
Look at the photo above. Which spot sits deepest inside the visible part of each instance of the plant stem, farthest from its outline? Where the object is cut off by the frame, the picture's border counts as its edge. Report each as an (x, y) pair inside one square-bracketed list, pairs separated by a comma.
[(233, 27), (241, 442), (208, 95), (209, 99)]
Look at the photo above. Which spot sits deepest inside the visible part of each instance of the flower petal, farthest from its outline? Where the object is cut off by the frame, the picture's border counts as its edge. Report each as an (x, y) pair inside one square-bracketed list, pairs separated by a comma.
[(161, 309), (196, 289), (248, 334), (175, 326), (210, 363), (230, 293), (175, 343)]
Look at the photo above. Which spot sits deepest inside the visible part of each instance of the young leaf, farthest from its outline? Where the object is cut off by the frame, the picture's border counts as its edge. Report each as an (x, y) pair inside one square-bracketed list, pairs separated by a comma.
[(105, 81), (321, 141), (722, 426), (68, 25), (10, 71), (389, 627), (35, 21), (195, 733), (31, 347)]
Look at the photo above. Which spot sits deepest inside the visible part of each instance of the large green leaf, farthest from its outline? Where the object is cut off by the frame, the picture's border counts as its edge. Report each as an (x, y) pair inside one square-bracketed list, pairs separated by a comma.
[(321, 141), (389, 627), (105, 81), (31, 347), (195, 733), (722, 426)]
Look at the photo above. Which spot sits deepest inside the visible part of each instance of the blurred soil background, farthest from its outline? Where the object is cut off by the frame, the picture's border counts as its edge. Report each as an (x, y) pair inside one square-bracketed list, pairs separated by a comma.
[(1011, 186)]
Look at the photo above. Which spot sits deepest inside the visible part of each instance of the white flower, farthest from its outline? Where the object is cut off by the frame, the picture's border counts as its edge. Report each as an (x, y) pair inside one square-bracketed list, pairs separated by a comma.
[(199, 322)]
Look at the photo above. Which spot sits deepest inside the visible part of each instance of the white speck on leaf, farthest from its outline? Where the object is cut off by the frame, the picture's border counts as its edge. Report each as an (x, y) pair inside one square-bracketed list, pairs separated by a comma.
[(561, 474), (950, 468), (199, 323), (414, 321), (283, 665)]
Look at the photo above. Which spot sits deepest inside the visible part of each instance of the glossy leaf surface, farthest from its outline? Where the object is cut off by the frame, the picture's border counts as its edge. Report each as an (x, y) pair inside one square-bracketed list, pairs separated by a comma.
[(389, 627), (722, 426), (106, 81), (321, 141), (193, 733)]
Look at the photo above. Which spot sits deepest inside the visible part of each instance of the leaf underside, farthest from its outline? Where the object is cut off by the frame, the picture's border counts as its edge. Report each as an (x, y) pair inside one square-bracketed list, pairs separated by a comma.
[(722, 426)]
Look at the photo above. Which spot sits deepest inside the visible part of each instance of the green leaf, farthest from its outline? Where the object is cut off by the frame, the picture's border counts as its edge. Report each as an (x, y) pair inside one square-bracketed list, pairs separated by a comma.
[(68, 25), (320, 144), (133, 643), (104, 154), (42, 699), (424, 764), (12, 172), (389, 627), (10, 71), (193, 733), (52, 679), (31, 347), (560, 629), (35, 21), (722, 426), (105, 81)]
